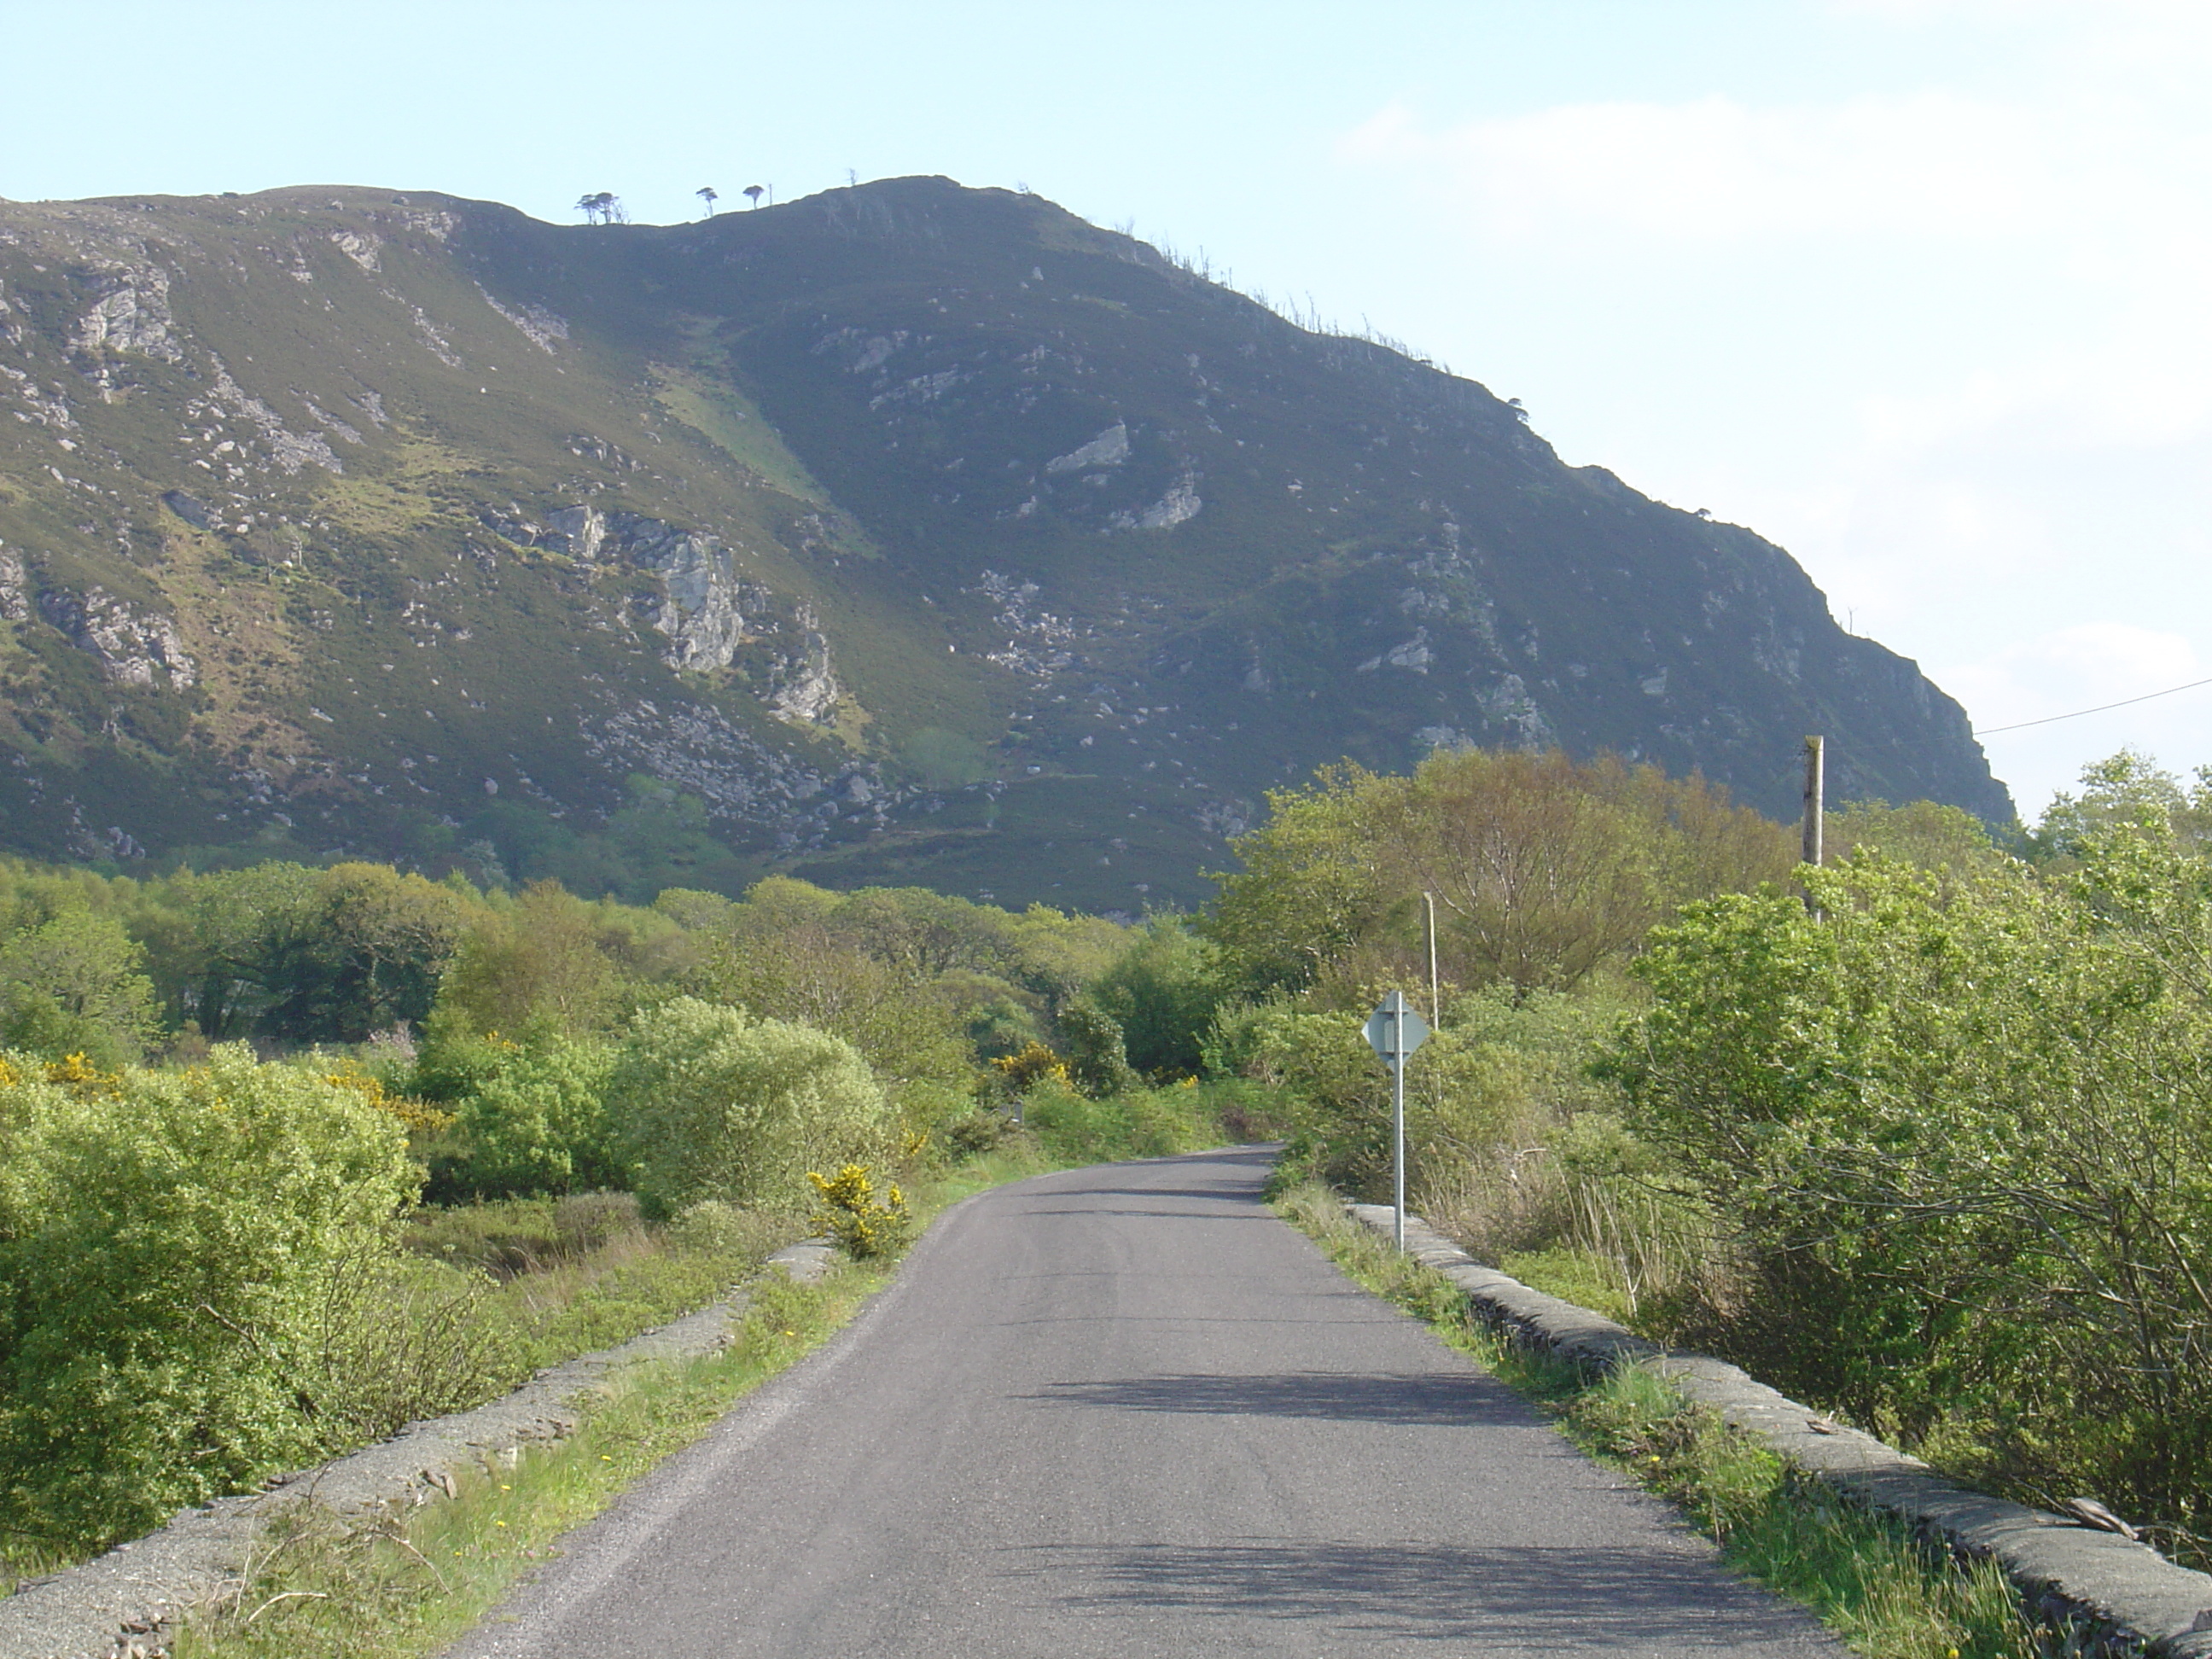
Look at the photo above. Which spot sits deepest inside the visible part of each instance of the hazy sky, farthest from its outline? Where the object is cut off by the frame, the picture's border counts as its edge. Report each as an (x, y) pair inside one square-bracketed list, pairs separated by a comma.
[(1917, 288)]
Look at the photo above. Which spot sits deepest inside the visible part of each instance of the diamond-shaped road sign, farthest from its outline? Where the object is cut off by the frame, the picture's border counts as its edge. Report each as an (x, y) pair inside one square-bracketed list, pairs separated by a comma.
[(1394, 1030)]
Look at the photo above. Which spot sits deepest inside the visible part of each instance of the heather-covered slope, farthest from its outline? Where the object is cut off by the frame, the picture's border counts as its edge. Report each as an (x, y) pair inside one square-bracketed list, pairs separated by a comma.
[(905, 532)]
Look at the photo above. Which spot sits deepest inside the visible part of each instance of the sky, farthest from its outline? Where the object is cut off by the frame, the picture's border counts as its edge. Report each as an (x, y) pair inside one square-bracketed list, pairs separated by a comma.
[(1917, 289)]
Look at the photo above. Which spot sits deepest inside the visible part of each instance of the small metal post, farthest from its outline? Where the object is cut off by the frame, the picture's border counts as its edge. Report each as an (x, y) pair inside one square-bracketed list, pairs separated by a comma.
[(1398, 1129)]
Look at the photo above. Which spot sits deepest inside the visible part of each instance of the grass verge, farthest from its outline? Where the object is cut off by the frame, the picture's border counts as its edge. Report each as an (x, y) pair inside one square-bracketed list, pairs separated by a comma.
[(319, 1586), (1868, 1578)]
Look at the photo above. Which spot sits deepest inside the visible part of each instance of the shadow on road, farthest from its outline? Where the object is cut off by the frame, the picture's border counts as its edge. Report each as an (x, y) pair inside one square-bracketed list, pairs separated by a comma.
[(1556, 1600), (1342, 1397), (1246, 1196), (1089, 1210)]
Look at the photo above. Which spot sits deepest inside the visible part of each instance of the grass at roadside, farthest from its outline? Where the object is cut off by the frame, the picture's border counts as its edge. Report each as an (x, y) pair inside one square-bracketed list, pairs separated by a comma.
[(320, 1586), (1886, 1594)]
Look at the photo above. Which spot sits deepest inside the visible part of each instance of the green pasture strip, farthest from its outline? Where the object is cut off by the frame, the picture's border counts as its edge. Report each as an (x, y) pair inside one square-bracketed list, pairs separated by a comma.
[(1883, 1592)]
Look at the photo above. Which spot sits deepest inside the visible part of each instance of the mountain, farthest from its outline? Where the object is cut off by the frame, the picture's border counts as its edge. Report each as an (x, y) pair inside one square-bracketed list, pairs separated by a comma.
[(906, 532)]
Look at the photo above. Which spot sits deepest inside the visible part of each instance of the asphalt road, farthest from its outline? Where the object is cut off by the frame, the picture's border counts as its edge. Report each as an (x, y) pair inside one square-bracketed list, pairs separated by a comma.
[(1126, 1410)]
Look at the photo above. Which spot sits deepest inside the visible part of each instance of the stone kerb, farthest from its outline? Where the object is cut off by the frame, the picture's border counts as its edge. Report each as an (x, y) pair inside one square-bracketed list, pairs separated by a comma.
[(120, 1604), (2117, 1597)]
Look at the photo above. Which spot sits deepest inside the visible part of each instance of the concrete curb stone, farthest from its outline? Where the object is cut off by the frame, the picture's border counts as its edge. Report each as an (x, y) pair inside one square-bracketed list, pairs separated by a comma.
[(2117, 1597), (121, 1605)]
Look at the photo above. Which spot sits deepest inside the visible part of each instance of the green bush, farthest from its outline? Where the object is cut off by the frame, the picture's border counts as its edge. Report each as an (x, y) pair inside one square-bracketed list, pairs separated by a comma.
[(538, 1123), (716, 1104), (1961, 1128), (168, 1245), (1162, 992), (1464, 1096), (1138, 1123), (851, 1214), (1096, 1058), (71, 984)]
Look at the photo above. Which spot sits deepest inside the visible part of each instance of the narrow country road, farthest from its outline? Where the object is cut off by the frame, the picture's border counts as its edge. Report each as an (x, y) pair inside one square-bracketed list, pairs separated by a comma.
[(1127, 1411)]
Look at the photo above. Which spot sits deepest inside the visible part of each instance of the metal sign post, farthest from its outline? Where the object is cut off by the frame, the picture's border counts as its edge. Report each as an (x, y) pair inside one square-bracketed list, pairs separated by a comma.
[(1394, 1031)]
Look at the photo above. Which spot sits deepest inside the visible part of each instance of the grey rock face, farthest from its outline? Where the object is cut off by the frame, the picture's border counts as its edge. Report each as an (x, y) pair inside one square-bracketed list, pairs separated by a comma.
[(1110, 449), (194, 511), (707, 611), (15, 592), (808, 689), (133, 648), (131, 313)]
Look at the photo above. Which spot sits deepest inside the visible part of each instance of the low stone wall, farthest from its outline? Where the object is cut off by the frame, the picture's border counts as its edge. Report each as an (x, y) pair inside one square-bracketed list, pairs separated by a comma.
[(120, 1606), (2119, 1597)]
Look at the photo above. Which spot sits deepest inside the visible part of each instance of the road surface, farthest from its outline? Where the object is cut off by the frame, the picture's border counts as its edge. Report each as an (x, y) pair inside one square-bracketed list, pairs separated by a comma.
[(1127, 1411)]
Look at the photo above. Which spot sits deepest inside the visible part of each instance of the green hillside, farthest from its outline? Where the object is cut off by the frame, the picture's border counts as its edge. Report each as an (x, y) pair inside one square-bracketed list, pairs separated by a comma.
[(904, 533)]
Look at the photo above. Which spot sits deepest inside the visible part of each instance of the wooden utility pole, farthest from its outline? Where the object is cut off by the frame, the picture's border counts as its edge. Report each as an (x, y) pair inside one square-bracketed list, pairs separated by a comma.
[(1429, 927), (1815, 806)]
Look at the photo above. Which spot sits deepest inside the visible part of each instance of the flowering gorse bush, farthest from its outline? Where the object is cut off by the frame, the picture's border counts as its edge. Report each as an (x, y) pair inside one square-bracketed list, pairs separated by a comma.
[(852, 1216)]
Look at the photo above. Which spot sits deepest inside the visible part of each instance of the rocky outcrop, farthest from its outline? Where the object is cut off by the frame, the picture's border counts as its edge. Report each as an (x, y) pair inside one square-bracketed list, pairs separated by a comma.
[(1109, 449), (1179, 506), (15, 588), (539, 326), (705, 611), (134, 648), (805, 686), (131, 313), (286, 449)]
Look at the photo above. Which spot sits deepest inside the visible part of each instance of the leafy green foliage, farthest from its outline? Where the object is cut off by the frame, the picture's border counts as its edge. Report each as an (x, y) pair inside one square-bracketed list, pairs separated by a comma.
[(71, 984), (2122, 790), (168, 1242), (1464, 1098), (305, 956), (1140, 1122), (1543, 869), (537, 1122), (1961, 1130), (717, 1104), (1162, 992)]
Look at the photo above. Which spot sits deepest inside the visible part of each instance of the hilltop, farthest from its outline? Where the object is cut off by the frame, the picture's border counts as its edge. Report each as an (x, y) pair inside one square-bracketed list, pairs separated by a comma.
[(907, 532)]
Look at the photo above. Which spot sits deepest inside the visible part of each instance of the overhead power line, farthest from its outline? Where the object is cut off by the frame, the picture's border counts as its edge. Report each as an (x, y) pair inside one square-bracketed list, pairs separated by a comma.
[(2022, 726)]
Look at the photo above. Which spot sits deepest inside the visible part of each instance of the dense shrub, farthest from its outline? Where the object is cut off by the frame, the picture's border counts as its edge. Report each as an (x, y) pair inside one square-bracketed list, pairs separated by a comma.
[(851, 1213), (1543, 869), (1098, 1059), (1138, 1123), (168, 1244), (1961, 1128), (717, 1104), (538, 1122), (1462, 1096), (1162, 992), (70, 983)]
